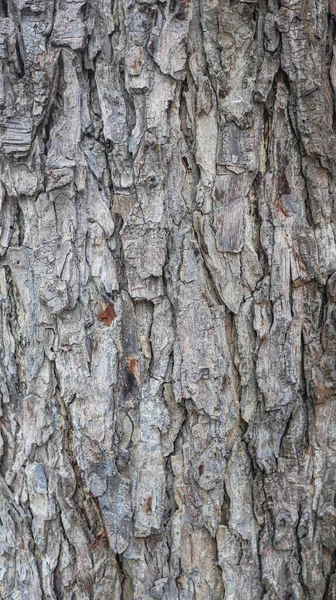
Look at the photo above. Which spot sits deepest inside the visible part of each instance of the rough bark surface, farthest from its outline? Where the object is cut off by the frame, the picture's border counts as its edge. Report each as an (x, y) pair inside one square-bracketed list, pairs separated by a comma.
[(168, 300)]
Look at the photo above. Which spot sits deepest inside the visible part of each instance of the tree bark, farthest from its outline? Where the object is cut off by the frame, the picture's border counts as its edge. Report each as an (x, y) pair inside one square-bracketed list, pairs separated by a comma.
[(168, 300)]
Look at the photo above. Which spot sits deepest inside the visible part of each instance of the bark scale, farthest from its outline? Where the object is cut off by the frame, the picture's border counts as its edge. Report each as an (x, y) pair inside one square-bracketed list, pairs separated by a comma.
[(168, 300)]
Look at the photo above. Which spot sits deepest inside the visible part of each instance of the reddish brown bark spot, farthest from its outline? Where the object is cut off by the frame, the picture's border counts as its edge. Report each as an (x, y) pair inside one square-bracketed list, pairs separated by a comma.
[(107, 316), (131, 376), (148, 505), (133, 366)]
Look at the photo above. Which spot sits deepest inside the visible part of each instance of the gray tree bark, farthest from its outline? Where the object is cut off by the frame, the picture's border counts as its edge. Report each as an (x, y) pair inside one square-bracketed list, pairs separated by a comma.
[(168, 300)]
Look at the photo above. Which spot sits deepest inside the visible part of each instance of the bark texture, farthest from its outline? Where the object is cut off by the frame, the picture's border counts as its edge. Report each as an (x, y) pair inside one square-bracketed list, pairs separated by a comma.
[(168, 300)]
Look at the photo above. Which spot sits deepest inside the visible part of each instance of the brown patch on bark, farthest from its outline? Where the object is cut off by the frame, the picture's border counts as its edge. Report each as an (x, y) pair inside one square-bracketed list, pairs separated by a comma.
[(107, 316), (133, 365), (131, 376), (148, 505)]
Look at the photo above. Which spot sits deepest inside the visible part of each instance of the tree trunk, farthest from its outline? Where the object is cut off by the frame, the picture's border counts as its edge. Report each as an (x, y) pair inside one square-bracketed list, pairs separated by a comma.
[(168, 300)]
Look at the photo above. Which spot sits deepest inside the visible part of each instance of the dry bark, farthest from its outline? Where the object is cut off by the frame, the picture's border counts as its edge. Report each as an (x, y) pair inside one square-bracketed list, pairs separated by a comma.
[(168, 300)]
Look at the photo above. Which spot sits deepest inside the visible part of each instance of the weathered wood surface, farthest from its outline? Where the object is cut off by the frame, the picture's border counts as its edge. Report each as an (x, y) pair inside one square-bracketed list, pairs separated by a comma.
[(168, 300)]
